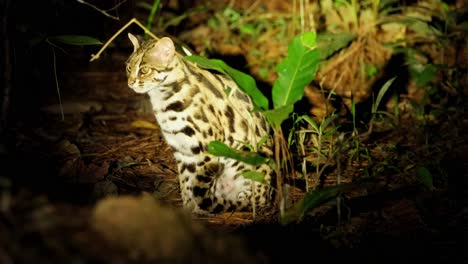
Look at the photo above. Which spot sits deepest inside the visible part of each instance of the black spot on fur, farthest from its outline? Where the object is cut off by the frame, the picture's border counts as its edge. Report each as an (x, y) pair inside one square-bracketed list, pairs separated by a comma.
[(264, 124), (229, 112), (196, 150), (244, 125), (211, 108), (213, 169), (205, 204), (188, 131), (257, 131), (218, 209), (177, 106), (190, 120), (193, 71), (183, 167), (202, 178), (191, 167), (231, 208), (198, 191)]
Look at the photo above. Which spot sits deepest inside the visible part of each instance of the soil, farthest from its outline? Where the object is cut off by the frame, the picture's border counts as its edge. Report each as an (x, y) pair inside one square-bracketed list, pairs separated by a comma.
[(98, 183)]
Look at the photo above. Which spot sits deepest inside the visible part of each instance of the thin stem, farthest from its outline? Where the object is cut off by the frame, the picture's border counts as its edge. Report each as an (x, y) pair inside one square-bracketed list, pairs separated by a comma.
[(57, 83), (152, 13), (133, 20), (277, 142), (104, 12)]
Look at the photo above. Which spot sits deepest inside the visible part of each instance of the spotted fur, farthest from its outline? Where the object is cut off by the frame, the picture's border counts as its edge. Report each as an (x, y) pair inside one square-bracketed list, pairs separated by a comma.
[(194, 107)]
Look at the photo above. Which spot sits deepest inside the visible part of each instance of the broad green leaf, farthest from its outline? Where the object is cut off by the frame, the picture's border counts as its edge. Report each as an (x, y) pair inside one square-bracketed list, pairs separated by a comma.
[(425, 177), (329, 43), (278, 115), (218, 148), (254, 176), (296, 70), (245, 81), (76, 40)]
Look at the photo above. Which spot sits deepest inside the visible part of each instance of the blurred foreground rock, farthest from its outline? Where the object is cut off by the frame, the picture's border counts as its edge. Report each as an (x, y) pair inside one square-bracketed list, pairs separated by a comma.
[(150, 231)]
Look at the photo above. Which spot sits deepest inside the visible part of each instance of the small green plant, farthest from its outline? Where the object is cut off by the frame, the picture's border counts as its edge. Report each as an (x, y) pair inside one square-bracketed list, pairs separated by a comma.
[(425, 177), (319, 134), (295, 72)]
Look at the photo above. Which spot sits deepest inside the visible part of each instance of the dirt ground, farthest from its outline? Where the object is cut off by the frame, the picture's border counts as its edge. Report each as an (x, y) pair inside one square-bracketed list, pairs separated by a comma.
[(98, 185)]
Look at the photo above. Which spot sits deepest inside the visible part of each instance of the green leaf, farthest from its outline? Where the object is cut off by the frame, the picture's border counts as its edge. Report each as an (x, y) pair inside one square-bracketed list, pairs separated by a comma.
[(76, 40), (329, 132), (371, 70), (329, 43), (311, 122), (278, 115), (296, 70), (381, 94), (327, 121), (312, 200), (262, 141), (248, 29), (218, 148), (245, 81), (425, 177), (232, 14), (254, 176), (424, 74)]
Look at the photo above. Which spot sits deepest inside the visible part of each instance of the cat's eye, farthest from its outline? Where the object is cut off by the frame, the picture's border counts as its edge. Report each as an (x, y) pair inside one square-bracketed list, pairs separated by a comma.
[(144, 70)]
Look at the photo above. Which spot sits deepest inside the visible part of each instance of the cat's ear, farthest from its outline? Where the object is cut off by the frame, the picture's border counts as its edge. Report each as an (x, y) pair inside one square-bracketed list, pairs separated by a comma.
[(134, 41), (163, 51)]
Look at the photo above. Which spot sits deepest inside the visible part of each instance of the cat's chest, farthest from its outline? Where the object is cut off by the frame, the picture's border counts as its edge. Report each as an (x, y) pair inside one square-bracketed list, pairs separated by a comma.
[(203, 106)]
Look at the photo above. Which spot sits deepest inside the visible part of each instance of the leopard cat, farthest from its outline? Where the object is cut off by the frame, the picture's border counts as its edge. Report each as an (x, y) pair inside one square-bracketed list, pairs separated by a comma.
[(193, 107)]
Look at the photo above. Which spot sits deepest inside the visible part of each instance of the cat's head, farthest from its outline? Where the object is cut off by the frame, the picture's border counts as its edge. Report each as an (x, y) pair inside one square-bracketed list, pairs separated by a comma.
[(150, 65)]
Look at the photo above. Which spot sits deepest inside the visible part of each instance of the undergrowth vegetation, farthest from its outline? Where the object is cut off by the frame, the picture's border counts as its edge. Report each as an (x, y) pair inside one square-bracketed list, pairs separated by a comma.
[(368, 70), (365, 67), (393, 67), (366, 102)]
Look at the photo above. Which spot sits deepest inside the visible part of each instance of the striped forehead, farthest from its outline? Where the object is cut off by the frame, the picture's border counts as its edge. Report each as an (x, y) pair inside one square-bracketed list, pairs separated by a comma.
[(138, 54)]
